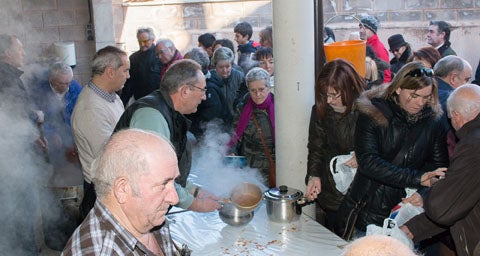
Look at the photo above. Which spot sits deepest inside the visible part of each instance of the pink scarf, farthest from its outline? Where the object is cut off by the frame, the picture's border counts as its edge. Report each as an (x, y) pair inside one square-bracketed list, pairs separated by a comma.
[(247, 114)]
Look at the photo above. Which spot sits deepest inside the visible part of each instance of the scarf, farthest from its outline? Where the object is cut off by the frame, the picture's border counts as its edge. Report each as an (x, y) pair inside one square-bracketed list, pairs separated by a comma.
[(247, 114)]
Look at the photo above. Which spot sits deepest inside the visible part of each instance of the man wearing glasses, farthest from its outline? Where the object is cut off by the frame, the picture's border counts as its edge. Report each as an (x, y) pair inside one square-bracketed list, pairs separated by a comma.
[(182, 89), (145, 68)]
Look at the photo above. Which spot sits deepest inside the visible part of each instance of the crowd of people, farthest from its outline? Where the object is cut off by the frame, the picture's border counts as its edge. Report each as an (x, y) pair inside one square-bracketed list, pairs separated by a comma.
[(411, 130), (412, 136)]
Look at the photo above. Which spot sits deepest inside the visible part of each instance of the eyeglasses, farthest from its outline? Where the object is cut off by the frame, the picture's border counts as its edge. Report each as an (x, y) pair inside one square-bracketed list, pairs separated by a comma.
[(394, 50), (333, 96), (259, 90), (420, 72), (203, 90)]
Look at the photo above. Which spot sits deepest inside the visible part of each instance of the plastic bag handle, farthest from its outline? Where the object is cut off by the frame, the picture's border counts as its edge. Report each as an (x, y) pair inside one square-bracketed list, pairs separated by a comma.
[(332, 166)]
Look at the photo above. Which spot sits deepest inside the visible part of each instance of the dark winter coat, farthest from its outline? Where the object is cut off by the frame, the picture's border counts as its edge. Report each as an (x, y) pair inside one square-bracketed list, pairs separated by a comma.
[(381, 130), (446, 49), (214, 107), (454, 202), (250, 144), (332, 136), (397, 64), (144, 78), (232, 88)]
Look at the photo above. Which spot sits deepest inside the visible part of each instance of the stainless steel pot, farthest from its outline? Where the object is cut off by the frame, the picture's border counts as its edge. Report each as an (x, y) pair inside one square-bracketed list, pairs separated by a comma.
[(284, 204), (233, 216)]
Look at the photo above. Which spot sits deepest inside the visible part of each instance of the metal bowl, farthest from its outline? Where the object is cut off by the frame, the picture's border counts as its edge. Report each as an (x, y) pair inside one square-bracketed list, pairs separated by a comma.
[(246, 196), (231, 215)]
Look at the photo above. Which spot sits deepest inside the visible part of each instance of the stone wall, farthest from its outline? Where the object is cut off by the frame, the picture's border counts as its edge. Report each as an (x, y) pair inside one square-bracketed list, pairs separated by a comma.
[(40, 23), (183, 23), (410, 18)]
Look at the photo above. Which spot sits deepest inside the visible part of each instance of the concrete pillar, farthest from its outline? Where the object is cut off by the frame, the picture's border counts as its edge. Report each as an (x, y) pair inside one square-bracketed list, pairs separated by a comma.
[(293, 31), (103, 23)]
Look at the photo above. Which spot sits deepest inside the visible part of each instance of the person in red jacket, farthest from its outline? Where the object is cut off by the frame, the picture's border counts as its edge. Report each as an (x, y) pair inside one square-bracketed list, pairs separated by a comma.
[(368, 31)]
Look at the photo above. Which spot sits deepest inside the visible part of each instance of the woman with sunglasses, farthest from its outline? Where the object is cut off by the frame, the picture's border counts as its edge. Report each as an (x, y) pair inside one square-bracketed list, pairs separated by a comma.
[(331, 130), (400, 146), (401, 52)]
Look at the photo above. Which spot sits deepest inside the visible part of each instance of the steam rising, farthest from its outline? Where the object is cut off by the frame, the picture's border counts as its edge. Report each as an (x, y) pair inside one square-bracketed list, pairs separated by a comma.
[(210, 170), (21, 172)]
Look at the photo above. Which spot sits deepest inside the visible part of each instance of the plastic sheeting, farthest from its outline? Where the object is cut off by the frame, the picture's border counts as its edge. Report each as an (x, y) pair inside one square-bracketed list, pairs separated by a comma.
[(206, 234)]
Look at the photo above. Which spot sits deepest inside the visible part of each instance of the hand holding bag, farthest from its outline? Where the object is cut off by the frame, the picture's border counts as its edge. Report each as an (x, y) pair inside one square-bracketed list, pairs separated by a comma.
[(342, 174)]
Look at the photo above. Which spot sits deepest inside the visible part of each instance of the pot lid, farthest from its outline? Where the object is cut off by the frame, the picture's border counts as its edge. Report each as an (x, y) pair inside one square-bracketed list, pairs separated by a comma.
[(283, 192)]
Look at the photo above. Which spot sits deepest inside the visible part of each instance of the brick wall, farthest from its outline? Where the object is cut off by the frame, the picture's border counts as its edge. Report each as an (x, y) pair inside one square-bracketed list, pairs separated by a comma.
[(40, 23)]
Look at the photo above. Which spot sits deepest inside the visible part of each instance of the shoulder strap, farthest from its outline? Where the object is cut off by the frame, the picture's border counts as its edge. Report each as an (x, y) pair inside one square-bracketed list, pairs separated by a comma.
[(271, 163)]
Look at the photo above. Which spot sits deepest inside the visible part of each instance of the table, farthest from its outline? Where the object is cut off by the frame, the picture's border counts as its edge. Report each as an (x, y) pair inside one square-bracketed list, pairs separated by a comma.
[(206, 234)]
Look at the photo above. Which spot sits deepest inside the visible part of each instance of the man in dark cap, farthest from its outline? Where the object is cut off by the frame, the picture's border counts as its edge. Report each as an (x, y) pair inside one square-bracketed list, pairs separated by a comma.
[(368, 31), (401, 52), (438, 36)]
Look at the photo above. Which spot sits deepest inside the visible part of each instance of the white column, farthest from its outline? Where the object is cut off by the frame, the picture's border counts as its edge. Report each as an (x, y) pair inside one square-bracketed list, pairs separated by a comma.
[(103, 23), (293, 30)]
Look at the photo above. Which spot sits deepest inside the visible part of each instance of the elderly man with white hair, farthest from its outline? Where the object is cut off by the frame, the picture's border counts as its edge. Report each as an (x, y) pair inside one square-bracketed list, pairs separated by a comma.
[(454, 202), (134, 179)]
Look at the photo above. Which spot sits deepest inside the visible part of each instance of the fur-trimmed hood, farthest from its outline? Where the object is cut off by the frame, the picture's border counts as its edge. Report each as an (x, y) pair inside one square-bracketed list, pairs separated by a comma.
[(365, 105)]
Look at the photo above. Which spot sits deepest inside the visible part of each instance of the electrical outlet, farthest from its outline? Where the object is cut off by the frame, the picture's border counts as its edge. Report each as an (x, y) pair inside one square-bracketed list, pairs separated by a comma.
[(89, 32)]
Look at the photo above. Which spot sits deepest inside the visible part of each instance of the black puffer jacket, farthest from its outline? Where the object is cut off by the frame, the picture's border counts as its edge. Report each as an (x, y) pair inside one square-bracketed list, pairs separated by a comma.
[(382, 128), (332, 136)]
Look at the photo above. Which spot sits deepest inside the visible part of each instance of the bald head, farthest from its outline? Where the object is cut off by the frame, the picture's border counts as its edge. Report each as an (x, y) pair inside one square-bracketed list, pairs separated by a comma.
[(131, 153), (463, 104), (378, 245)]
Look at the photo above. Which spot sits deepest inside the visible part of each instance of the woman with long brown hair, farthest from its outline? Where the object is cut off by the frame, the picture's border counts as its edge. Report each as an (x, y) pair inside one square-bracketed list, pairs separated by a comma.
[(332, 126)]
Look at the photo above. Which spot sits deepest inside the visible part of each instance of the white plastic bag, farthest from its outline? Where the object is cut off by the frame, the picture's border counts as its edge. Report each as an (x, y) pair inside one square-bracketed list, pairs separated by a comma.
[(390, 228), (342, 174), (406, 212)]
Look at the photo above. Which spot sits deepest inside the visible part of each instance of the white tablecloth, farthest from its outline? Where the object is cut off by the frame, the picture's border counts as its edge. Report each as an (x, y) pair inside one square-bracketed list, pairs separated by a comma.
[(206, 234)]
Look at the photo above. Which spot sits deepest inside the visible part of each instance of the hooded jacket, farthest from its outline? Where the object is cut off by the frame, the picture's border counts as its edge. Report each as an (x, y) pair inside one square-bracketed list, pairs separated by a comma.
[(381, 131)]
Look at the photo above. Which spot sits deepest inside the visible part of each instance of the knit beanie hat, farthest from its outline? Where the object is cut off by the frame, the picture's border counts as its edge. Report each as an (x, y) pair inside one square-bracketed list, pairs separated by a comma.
[(371, 23)]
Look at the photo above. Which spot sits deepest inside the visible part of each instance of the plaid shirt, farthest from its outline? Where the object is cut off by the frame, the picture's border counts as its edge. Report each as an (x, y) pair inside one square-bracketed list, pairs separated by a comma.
[(110, 97), (101, 234)]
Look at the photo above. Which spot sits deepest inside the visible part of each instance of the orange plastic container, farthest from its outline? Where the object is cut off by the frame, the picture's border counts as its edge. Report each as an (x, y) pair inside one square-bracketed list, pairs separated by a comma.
[(354, 51)]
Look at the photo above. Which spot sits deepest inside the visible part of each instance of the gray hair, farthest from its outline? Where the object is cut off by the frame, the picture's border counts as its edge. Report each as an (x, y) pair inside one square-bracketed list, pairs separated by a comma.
[(181, 72), (258, 74), (200, 56), (148, 30), (465, 100), (109, 56), (166, 42), (6, 42), (222, 53), (448, 64), (59, 68)]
